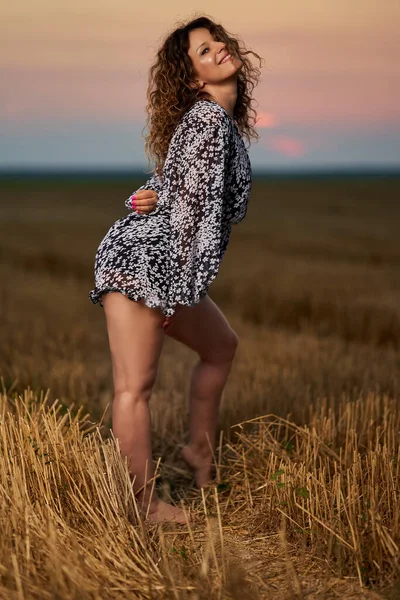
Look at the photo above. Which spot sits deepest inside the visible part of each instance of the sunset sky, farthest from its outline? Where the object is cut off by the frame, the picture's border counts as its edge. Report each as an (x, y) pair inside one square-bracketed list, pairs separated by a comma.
[(74, 75)]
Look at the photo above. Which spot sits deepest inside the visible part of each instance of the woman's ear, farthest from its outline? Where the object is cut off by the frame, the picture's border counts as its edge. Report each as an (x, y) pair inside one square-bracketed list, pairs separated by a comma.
[(197, 84)]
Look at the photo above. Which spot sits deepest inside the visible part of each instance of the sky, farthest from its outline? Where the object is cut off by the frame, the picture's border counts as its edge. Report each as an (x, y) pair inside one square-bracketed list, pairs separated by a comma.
[(74, 75)]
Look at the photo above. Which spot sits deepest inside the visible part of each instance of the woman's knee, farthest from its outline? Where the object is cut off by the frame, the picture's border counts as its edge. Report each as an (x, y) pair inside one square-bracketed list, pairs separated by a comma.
[(128, 397), (134, 381), (232, 344), (225, 350)]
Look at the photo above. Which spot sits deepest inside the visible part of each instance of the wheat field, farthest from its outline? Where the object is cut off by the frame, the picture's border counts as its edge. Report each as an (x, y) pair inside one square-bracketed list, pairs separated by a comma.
[(306, 503)]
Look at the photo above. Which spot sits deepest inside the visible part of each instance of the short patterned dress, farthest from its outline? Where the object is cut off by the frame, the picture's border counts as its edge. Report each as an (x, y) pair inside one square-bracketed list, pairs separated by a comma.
[(169, 257)]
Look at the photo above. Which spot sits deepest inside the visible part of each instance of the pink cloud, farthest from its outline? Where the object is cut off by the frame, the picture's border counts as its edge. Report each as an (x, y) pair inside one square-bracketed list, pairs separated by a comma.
[(286, 145), (266, 120)]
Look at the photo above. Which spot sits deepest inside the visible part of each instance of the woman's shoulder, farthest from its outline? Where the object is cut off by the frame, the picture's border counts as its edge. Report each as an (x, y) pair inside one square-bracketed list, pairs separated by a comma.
[(206, 114), (203, 122)]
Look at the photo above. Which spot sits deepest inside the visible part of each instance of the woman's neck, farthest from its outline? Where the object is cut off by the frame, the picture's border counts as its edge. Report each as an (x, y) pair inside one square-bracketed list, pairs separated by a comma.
[(226, 96)]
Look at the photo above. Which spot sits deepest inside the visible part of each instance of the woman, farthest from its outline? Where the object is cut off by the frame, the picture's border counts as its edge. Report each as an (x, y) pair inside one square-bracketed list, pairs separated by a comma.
[(161, 262)]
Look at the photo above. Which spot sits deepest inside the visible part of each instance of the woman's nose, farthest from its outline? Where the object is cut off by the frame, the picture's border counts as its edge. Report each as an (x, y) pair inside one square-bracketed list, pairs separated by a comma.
[(221, 49)]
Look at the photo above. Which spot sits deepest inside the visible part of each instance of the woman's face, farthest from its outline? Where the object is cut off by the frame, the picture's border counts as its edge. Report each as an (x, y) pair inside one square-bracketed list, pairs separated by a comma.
[(206, 55)]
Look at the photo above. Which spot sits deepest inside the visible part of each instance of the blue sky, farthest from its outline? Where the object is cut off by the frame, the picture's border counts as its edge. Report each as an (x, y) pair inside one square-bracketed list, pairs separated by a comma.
[(93, 145)]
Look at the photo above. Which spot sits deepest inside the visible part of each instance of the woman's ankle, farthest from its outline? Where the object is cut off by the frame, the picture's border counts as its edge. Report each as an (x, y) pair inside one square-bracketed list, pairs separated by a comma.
[(202, 465), (147, 500), (201, 451)]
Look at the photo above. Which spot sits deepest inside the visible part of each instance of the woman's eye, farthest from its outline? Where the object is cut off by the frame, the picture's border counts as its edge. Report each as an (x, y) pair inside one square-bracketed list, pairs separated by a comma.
[(203, 50)]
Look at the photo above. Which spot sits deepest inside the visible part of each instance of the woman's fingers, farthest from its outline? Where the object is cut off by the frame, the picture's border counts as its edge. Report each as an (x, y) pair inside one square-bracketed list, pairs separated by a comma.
[(146, 207), (144, 201), (146, 195)]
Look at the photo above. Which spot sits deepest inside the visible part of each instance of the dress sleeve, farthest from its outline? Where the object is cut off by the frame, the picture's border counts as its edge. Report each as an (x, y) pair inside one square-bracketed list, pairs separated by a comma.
[(197, 189), (153, 183)]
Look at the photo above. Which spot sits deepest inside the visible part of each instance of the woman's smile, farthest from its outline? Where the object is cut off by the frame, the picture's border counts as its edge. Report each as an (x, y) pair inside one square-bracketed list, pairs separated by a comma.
[(225, 59)]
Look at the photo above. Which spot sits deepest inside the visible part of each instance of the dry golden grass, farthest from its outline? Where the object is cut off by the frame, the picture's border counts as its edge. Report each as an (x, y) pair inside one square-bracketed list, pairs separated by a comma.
[(306, 504)]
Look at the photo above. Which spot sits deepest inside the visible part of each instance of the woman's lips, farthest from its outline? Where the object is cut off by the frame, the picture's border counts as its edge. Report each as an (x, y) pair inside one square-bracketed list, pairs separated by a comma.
[(227, 57)]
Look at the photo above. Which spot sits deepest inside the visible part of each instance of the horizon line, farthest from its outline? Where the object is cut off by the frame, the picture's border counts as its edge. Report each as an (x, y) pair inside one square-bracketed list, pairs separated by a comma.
[(349, 170)]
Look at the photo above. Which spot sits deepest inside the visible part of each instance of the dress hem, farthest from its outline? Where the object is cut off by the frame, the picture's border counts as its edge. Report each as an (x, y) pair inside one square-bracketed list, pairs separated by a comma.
[(95, 297)]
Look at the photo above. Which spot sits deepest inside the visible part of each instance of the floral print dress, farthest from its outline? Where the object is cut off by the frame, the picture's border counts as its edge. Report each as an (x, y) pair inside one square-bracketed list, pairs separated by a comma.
[(170, 256)]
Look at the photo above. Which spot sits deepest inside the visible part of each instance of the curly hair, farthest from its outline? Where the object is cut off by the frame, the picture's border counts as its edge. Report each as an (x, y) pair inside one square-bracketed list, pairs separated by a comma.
[(171, 92)]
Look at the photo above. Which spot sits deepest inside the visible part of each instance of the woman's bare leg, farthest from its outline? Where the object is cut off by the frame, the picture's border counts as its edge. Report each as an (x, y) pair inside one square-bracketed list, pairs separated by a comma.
[(136, 339), (204, 329)]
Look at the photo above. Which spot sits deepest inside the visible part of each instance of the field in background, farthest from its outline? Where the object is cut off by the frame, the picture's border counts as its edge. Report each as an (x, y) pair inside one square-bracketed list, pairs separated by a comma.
[(307, 506)]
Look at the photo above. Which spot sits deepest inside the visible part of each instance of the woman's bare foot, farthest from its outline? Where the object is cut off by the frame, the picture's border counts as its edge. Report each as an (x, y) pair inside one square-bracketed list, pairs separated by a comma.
[(161, 511), (201, 465)]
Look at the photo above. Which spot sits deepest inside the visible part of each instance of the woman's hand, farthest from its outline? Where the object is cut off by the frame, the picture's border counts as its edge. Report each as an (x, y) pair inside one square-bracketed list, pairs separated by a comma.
[(144, 202)]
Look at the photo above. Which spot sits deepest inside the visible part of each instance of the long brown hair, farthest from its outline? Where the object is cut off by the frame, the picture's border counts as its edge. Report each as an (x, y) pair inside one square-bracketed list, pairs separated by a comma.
[(171, 92)]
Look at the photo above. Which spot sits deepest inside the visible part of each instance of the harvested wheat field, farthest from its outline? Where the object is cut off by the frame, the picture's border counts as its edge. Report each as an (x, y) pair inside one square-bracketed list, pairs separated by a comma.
[(306, 503)]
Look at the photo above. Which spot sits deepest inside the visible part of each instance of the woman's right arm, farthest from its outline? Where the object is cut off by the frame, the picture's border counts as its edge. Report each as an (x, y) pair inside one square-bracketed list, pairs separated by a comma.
[(197, 187)]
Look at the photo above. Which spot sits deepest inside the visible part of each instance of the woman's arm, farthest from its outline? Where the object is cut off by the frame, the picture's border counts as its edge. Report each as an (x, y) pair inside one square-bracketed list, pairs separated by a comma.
[(197, 186)]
